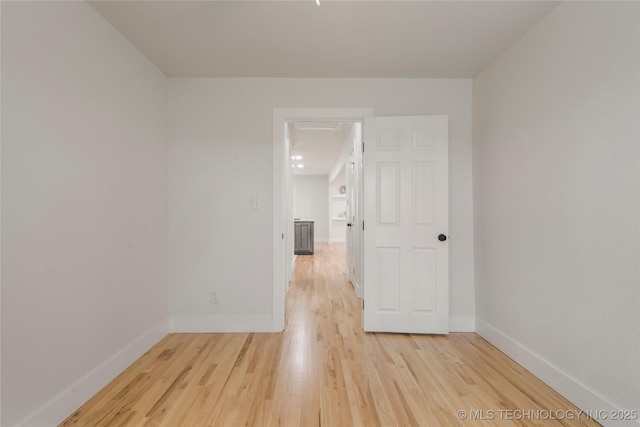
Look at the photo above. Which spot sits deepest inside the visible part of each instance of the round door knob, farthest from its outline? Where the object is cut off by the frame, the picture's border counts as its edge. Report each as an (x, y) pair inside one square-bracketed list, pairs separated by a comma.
[(442, 237), (348, 225)]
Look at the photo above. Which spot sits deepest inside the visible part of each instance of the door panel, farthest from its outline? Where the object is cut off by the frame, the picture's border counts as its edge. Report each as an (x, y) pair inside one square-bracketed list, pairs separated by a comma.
[(388, 193), (389, 280), (423, 262), (406, 278), (424, 192)]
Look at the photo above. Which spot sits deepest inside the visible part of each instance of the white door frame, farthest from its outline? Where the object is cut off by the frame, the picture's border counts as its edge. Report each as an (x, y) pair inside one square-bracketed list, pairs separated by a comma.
[(350, 217), (281, 229)]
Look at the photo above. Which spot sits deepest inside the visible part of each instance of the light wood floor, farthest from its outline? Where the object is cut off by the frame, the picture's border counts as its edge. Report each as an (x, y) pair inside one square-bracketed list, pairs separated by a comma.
[(324, 371)]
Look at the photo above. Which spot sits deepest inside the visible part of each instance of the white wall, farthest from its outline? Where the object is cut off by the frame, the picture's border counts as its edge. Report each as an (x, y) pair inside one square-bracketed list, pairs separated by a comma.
[(340, 163), (556, 183), (220, 154), (311, 201), (84, 196), (337, 228), (338, 178)]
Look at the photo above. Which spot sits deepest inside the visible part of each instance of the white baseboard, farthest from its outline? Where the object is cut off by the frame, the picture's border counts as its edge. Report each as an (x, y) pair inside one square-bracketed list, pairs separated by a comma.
[(574, 391), (462, 324), (61, 406), (324, 240), (205, 324), (358, 289)]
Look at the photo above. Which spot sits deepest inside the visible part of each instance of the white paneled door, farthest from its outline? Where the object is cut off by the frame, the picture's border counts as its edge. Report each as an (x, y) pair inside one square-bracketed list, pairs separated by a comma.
[(406, 247)]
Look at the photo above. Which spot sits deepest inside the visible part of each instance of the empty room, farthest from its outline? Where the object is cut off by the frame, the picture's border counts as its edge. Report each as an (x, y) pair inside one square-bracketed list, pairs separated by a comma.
[(333, 213)]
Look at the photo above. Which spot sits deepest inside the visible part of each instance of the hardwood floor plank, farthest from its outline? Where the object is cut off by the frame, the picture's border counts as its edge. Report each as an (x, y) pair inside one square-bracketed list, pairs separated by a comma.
[(323, 370)]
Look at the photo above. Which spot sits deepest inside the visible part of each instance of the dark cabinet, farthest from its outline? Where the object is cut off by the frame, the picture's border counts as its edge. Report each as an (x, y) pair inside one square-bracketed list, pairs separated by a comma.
[(303, 238)]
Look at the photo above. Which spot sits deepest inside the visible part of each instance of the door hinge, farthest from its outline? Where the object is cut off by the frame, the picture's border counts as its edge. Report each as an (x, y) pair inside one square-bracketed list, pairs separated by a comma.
[(282, 236), (362, 225), (363, 146), (363, 303)]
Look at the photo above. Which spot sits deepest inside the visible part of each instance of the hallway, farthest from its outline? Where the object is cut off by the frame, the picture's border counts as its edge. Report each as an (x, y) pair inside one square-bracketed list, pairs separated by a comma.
[(323, 370)]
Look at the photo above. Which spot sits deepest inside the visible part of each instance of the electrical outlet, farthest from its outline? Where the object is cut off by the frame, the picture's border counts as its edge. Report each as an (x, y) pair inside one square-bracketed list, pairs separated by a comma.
[(213, 297)]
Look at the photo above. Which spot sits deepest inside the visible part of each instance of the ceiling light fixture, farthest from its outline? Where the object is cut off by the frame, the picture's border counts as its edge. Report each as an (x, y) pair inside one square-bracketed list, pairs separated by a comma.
[(318, 2)]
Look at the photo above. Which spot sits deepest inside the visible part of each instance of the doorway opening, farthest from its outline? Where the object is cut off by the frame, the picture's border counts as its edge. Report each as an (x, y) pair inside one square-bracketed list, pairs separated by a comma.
[(324, 195), (323, 166), (291, 127)]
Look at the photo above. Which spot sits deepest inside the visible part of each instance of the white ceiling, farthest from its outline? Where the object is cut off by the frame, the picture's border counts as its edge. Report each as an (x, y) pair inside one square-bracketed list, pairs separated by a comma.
[(319, 149), (338, 39), (348, 39)]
